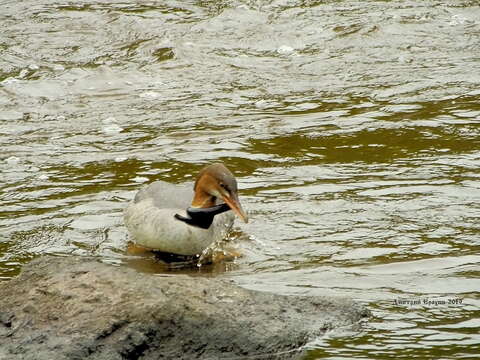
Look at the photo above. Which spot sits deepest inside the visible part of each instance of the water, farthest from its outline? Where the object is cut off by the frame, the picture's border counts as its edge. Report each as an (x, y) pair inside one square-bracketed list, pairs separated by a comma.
[(352, 127)]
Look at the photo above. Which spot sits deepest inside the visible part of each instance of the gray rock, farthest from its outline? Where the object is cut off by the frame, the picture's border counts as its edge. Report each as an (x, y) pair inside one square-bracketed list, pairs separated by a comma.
[(77, 308)]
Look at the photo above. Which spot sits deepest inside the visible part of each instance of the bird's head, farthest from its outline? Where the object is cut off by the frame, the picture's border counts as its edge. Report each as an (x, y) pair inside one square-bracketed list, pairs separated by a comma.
[(213, 182)]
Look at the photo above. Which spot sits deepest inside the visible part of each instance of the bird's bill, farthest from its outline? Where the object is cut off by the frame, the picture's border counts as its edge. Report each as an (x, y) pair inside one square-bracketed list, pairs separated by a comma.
[(235, 205)]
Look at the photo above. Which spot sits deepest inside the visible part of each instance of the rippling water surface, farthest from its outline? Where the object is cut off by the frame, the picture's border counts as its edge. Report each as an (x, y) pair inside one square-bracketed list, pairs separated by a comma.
[(352, 126)]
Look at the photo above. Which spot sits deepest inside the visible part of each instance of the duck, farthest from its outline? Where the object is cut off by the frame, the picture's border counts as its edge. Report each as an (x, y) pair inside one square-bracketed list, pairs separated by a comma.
[(182, 219)]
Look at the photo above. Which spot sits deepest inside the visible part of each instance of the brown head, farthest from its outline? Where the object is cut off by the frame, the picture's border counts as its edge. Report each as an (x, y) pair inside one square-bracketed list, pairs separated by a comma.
[(216, 181)]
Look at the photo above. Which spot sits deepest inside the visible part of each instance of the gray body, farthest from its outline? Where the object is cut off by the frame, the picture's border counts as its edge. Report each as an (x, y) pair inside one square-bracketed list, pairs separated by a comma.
[(150, 219)]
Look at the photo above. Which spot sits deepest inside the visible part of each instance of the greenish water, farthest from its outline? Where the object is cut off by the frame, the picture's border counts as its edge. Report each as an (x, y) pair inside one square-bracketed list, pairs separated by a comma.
[(352, 127)]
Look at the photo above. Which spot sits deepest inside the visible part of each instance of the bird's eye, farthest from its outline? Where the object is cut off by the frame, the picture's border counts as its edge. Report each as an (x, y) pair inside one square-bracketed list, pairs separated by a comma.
[(224, 186)]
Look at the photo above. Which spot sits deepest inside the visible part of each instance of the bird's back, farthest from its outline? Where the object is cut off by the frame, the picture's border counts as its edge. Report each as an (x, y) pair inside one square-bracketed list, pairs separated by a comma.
[(166, 195)]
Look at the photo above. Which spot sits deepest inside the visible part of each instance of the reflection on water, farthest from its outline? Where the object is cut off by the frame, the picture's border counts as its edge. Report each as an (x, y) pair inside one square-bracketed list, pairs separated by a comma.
[(352, 127)]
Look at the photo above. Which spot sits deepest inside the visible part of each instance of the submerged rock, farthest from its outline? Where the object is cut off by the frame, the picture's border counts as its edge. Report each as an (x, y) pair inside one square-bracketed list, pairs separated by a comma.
[(76, 308)]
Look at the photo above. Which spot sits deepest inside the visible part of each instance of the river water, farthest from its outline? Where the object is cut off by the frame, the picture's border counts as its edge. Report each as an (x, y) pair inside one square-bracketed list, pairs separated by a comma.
[(352, 127)]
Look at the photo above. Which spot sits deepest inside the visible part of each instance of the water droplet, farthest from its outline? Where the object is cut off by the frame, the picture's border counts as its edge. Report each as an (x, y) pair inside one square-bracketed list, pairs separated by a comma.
[(58, 67), (285, 50), (23, 73), (149, 95), (261, 104), (112, 129), (140, 179), (12, 160)]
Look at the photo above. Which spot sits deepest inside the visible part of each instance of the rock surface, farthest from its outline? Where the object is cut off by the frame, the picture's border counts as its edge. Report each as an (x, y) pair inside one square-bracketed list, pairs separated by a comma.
[(76, 308)]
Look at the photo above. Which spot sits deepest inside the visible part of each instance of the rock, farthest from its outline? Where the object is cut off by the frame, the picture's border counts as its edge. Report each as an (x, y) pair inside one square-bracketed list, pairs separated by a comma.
[(77, 308)]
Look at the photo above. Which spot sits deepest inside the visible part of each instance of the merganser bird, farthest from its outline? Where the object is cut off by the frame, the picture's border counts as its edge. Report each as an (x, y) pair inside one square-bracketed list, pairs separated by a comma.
[(163, 216)]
